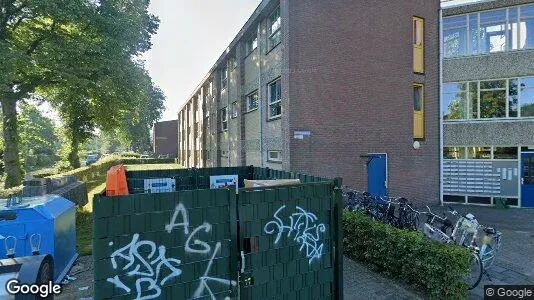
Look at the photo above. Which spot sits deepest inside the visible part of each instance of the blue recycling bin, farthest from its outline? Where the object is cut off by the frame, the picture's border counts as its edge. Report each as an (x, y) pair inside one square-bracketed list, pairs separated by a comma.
[(31, 226)]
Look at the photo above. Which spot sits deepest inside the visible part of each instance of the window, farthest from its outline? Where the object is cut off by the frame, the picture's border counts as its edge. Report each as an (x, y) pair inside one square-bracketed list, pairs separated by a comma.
[(526, 27), (275, 22), (275, 99), (489, 31), (479, 152), (234, 110), (274, 156), (418, 45), (493, 99), (252, 101), (479, 200), (526, 95), (513, 98), (452, 198), (454, 152), (224, 77), (454, 101), (418, 112), (224, 119), (251, 45), (505, 153), (454, 36), (233, 63)]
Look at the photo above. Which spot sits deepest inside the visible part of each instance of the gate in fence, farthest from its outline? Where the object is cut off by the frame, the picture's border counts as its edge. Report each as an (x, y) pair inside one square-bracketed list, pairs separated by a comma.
[(279, 242)]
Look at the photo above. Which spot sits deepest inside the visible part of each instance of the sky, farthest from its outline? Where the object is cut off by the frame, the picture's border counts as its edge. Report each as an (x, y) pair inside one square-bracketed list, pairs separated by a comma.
[(191, 37)]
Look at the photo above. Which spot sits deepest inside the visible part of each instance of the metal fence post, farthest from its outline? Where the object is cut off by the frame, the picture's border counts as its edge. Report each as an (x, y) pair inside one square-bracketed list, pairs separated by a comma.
[(338, 215)]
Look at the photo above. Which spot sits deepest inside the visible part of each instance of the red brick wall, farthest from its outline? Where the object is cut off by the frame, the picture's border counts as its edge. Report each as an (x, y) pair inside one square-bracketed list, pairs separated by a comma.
[(351, 77), (166, 138)]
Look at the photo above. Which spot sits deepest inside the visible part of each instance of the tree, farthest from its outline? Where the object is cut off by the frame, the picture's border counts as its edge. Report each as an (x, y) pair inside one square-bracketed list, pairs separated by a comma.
[(50, 45)]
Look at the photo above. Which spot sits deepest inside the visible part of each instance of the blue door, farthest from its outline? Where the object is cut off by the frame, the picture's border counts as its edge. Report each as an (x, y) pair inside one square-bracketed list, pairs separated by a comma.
[(377, 174), (527, 180)]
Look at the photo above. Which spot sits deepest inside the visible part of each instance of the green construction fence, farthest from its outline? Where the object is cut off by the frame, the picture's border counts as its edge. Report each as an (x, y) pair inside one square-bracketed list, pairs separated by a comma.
[(193, 242)]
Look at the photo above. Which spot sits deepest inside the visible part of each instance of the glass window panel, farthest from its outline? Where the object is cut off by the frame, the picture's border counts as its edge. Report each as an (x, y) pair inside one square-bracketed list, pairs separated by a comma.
[(505, 153), (473, 100), (493, 31), (513, 26), (527, 102), (417, 98), (479, 200), (473, 33), (454, 42), (513, 98), (492, 104), (452, 198), (454, 152), (479, 152), (454, 106), (454, 87), (452, 22), (495, 84)]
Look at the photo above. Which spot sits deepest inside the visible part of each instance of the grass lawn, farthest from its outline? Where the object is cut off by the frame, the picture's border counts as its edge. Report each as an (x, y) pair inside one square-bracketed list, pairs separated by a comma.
[(84, 215)]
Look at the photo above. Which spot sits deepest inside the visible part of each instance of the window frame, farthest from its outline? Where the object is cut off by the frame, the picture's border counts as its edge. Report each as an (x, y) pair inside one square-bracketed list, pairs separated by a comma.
[(271, 103), (419, 114), (274, 160), (224, 119), (469, 117), (418, 47), (248, 98), (277, 31), (251, 44), (511, 34), (224, 78), (233, 109)]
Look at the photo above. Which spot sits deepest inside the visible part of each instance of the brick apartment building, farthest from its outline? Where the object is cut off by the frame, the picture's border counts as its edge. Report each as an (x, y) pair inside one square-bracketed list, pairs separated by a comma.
[(165, 138), (331, 88), (487, 109)]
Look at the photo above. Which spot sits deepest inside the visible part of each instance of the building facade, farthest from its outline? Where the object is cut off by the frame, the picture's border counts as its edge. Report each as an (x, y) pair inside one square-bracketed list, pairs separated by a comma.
[(487, 106), (326, 88), (165, 138)]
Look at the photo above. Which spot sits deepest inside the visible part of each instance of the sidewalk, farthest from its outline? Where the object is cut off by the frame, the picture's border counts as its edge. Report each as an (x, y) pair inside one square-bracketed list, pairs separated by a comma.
[(361, 283)]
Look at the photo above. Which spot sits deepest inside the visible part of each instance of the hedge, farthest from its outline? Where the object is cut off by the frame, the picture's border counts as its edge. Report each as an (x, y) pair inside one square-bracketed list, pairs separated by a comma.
[(93, 175), (438, 269)]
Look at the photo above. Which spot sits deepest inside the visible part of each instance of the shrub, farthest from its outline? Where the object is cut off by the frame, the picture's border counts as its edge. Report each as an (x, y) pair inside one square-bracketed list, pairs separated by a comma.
[(437, 268)]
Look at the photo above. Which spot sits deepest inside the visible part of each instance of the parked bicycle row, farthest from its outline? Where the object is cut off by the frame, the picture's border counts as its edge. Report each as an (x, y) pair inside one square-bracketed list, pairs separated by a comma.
[(483, 242)]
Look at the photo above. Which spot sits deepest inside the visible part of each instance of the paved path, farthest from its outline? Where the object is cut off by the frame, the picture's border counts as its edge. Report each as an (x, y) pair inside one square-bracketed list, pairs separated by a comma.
[(361, 283)]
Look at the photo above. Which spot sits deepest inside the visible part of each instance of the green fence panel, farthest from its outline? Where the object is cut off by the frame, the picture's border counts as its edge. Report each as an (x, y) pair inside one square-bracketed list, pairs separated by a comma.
[(288, 241), (175, 245)]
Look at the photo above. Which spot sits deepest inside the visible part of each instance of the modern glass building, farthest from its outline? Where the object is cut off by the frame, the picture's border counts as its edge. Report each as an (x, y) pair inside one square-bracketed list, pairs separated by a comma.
[(487, 103)]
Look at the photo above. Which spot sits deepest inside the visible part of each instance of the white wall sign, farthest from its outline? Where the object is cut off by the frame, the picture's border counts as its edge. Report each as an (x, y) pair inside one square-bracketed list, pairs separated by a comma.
[(159, 185), (222, 181)]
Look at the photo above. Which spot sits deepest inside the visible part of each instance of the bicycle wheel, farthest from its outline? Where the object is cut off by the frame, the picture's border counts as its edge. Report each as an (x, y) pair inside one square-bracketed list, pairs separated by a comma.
[(489, 252), (475, 271)]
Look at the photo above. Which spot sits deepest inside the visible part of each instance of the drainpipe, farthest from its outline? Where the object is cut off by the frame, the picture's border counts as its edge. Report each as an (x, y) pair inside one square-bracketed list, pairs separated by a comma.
[(228, 108), (260, 108), (441, 143)]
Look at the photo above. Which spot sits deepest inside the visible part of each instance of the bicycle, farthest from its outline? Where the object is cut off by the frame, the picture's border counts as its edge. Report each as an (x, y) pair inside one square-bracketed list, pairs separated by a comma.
[(440, 234)]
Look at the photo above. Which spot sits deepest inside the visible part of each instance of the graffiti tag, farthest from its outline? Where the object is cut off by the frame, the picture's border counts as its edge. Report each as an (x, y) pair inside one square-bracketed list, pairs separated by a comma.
[(304, 229), (148, 263)]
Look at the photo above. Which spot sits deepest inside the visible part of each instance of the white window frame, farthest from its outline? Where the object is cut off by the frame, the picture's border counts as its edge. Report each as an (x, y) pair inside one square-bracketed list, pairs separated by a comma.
[(224, 118), (224, 78), (509, 38), (277, 101), (278, 159), (249, 99), (271, 23), (478, 119), (234, 110), (251, 45)]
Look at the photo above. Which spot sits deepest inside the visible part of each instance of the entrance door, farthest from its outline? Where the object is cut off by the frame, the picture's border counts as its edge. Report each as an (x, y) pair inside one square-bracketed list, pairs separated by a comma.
[(377, 174), (527, 180)]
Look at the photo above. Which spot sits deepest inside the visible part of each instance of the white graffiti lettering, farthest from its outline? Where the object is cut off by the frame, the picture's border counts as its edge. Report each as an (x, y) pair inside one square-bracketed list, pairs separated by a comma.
[(145, 261), (303, 228)]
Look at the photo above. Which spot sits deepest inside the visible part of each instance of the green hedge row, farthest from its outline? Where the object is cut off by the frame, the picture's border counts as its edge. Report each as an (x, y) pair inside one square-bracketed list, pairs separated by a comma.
[(94, 174), (436, 268)]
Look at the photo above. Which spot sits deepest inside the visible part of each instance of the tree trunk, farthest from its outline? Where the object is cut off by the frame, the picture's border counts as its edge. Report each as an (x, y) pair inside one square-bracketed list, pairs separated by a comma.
[(74, 158), (11, 143)]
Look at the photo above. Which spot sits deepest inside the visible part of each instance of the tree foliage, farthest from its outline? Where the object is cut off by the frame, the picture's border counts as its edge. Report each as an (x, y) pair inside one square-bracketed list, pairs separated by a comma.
[(71, 51)]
